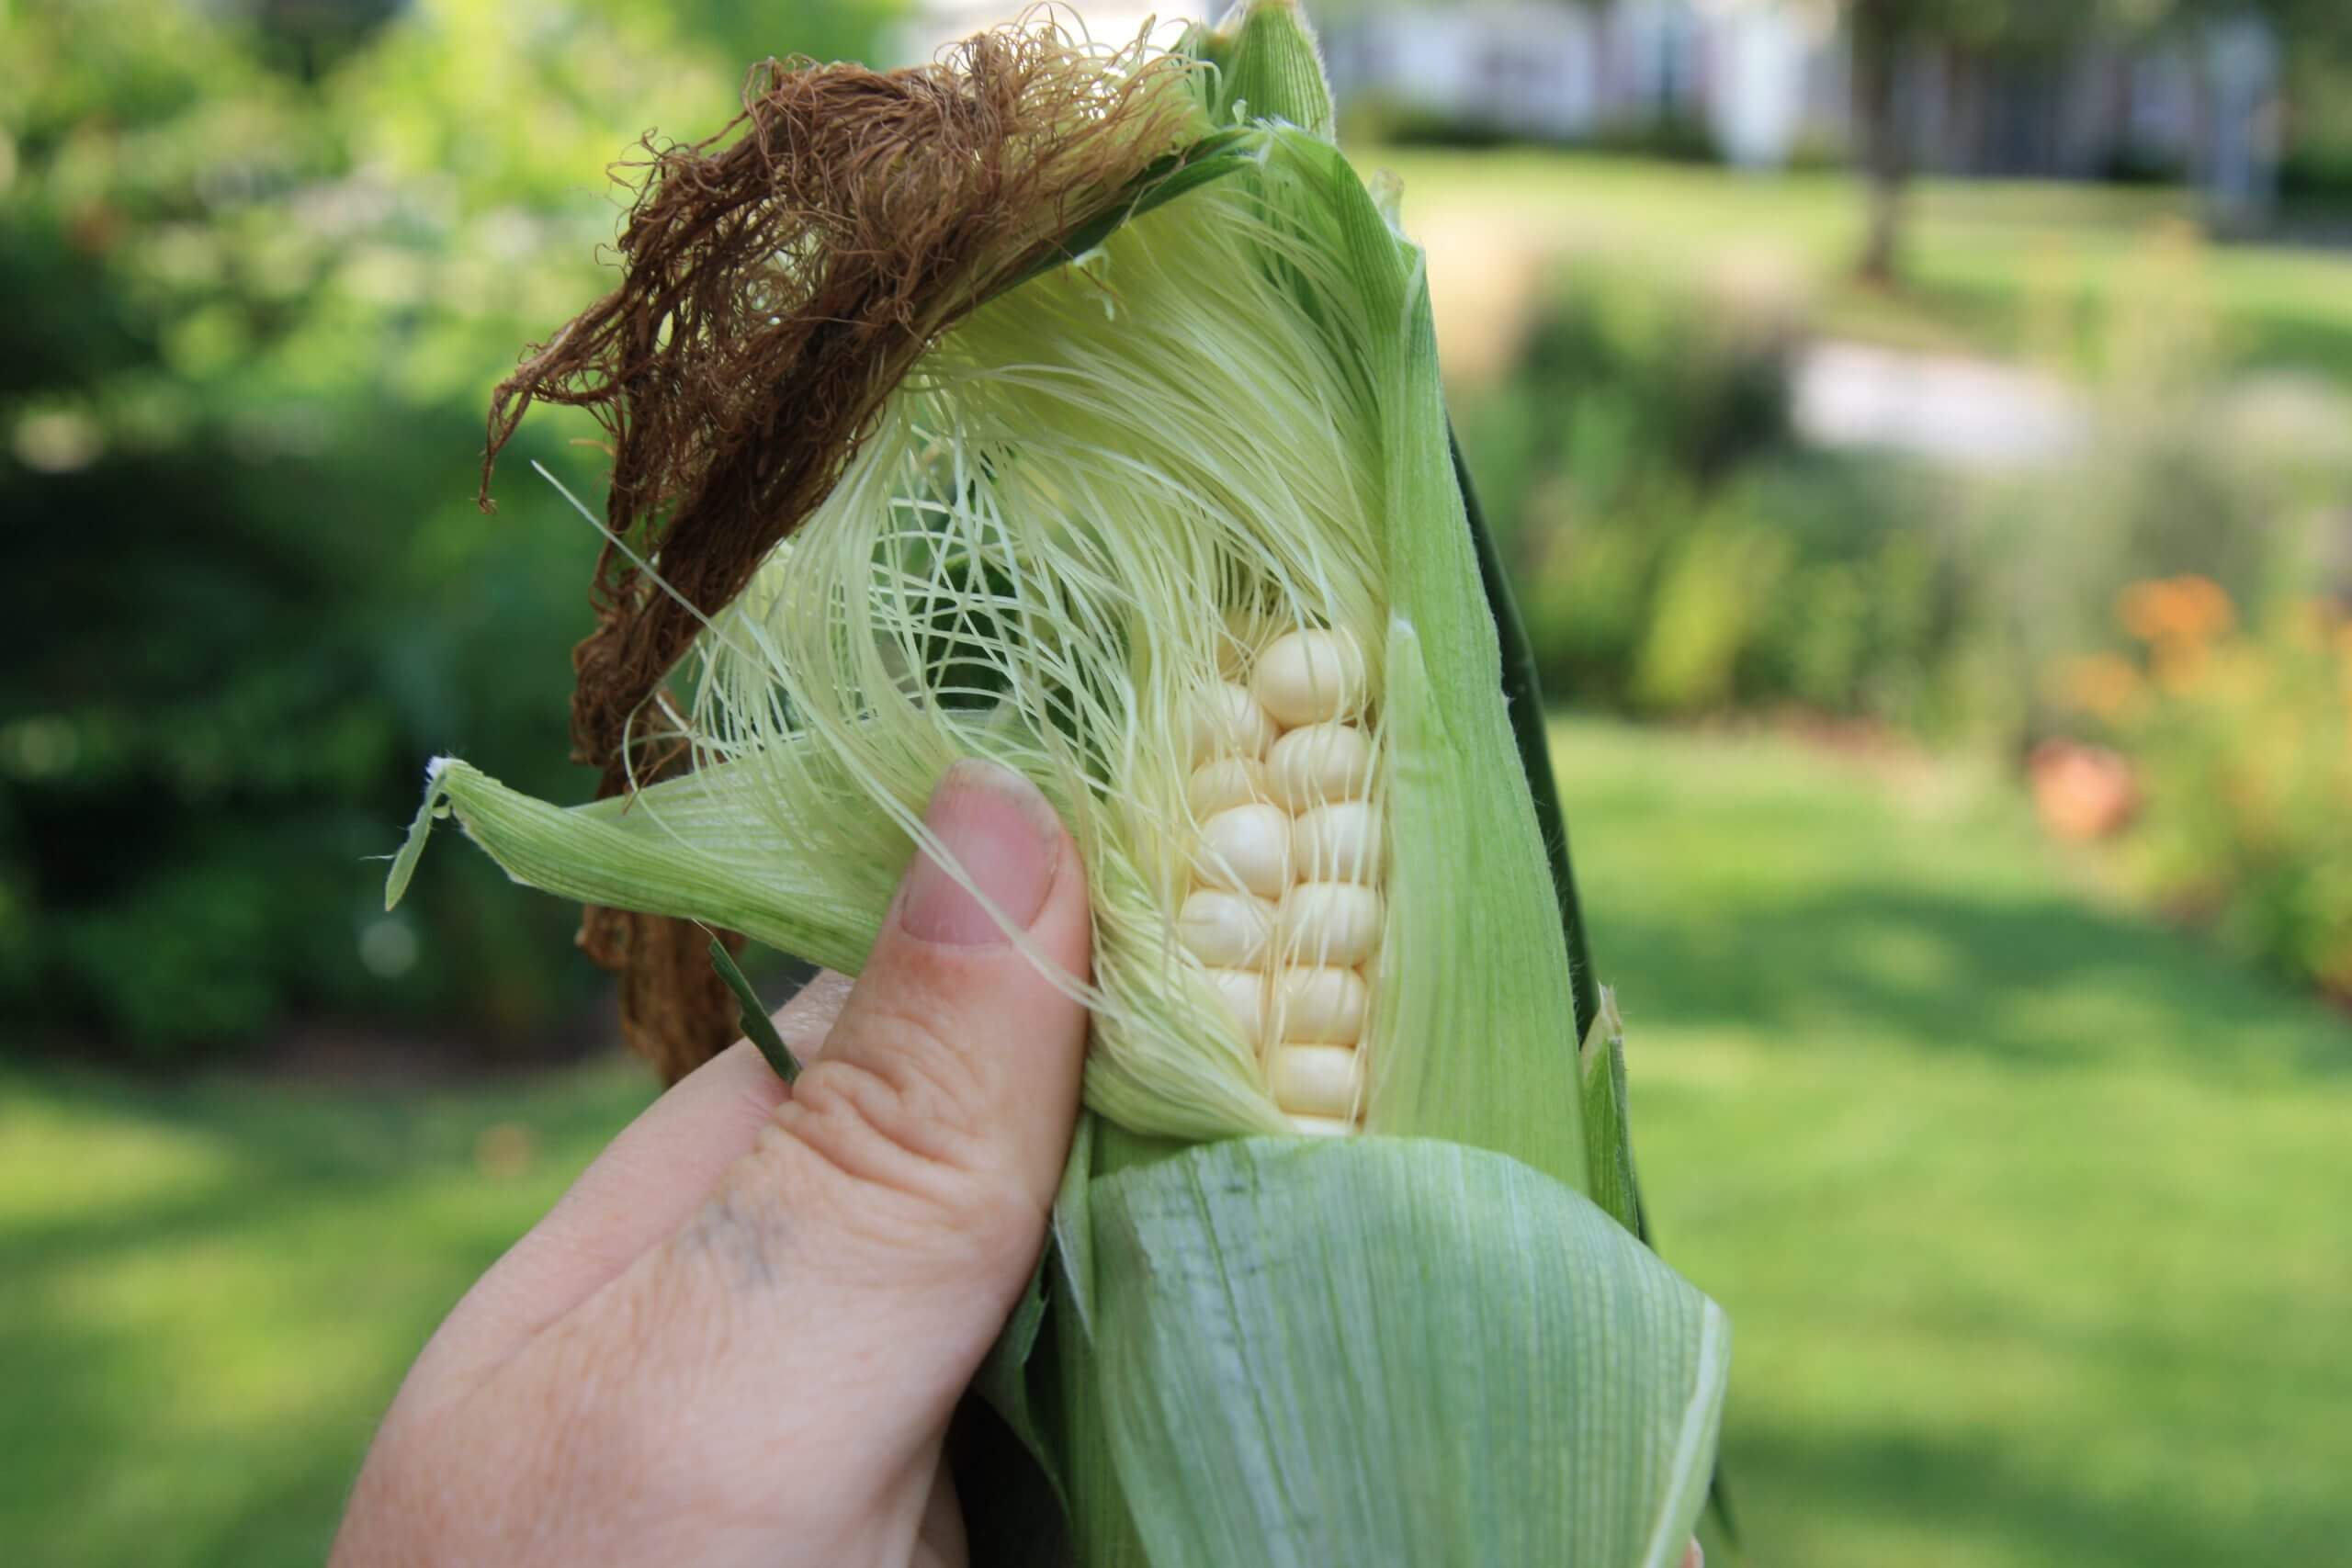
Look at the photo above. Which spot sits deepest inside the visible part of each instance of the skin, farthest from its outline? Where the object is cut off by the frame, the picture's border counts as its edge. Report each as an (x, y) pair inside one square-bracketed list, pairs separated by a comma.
[(739, 1336)]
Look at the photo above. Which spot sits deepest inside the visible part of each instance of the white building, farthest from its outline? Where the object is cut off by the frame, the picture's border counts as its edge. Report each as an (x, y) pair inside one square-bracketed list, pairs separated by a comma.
[(933, 27), (1765, 82)]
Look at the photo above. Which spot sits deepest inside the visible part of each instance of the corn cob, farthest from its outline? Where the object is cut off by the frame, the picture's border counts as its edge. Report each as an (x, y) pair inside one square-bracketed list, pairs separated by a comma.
[(1284, 906)]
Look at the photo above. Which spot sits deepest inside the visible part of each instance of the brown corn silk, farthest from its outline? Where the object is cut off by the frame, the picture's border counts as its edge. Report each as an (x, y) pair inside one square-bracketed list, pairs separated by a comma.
[(778, 280)]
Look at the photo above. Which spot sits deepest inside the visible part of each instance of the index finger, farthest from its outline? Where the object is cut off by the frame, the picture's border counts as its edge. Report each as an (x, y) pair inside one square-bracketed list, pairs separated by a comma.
[(647, 1183)]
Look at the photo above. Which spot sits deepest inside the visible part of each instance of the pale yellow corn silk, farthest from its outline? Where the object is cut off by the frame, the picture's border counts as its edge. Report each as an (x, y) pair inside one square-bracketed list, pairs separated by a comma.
[(1088, 502)]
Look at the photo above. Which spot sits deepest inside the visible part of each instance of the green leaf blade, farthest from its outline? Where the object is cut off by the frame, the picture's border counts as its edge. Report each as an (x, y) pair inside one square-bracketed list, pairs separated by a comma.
[(685, 848), (1384, 1349), (1609, 1140), (1269, 67), (758, 1027)]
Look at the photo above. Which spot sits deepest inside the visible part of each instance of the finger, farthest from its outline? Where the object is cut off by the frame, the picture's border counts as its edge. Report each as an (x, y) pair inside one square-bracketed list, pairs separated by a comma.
[(940, 1541), (636, 1194), (963, 1045), (864, 1256)]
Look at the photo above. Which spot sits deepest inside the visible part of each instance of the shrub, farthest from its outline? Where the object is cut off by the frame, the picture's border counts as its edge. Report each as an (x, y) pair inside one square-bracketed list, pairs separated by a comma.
[(2242, 741), (1678, 551), (240, 431)]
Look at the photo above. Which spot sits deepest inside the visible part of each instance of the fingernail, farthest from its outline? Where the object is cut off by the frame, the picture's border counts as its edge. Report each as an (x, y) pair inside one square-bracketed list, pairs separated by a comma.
[(994, 824)]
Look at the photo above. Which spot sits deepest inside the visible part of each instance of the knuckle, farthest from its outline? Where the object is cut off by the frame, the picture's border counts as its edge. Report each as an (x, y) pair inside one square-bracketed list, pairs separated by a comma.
[(915, 1044), (908, 1171)]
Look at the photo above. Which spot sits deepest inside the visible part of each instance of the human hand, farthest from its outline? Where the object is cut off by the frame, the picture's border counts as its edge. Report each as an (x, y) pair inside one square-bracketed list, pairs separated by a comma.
[(739, 1336)]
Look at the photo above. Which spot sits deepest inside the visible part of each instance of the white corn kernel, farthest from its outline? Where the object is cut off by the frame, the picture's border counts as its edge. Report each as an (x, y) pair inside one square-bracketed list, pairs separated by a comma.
[(1226, 781), (1321, 1127), (1315, 1080), (1319, 1005), (1243, 992), (1340, 843), (1308, 677), (1329, 922), (1229, 723), (1226, 930), (1246, 847), (1318, 764)]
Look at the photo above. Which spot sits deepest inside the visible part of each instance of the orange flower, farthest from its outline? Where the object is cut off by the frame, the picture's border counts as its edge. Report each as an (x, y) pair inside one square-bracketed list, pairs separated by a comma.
[(2104, 684), (2206, 610), (2185, 609)]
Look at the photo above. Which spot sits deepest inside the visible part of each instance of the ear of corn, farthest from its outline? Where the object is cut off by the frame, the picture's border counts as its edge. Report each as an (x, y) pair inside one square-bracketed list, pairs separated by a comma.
[(923, 613), (1174, 530)]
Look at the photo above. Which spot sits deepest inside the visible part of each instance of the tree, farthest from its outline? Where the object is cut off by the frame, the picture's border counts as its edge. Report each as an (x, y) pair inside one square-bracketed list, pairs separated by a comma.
[(1879, 29), (1884, 33)]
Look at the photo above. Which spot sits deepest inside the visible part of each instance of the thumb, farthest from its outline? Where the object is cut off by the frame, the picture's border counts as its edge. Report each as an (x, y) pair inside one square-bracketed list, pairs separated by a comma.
[(781, 1368), (872, 1243), (949, 1088)]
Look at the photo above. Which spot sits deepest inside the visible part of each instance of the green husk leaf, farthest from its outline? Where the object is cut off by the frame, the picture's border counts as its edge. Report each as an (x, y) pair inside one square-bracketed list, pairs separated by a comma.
[(1609, 1146), (1379, 1349), (684, 847), (1467, 1046), (1269, 67), (1530, 727), (412, 848), (758, 1027), (1211, 158), (1063, 1275)]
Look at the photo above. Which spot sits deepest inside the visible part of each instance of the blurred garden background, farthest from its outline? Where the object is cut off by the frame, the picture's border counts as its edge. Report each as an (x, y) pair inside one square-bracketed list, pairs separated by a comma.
[(1922, 432)]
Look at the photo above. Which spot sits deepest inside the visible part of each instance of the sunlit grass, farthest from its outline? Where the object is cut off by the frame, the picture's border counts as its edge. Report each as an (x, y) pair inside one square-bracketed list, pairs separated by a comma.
[(1993, 267), (209, 1292), (2028, 1213)]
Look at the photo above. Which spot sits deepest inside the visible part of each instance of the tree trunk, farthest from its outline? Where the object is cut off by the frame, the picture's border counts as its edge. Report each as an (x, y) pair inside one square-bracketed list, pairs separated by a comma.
[(1877, 40)]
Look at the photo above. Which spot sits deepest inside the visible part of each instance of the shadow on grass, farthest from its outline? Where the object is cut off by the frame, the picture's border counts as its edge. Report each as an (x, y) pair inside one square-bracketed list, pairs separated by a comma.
[(2282, 336), (2032, 980), (1965, 1490), (281, 1153)]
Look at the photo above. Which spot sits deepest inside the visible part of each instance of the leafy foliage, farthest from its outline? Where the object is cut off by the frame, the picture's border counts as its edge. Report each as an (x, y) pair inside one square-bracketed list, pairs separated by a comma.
[(1683, 555), (2242, 741), (271, 273), (1679, 552)]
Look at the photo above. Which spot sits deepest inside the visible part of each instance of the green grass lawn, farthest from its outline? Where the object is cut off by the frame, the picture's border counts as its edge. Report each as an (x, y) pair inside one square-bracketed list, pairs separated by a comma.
[(1993, 267), (2030, 1216), (209, 1293)]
